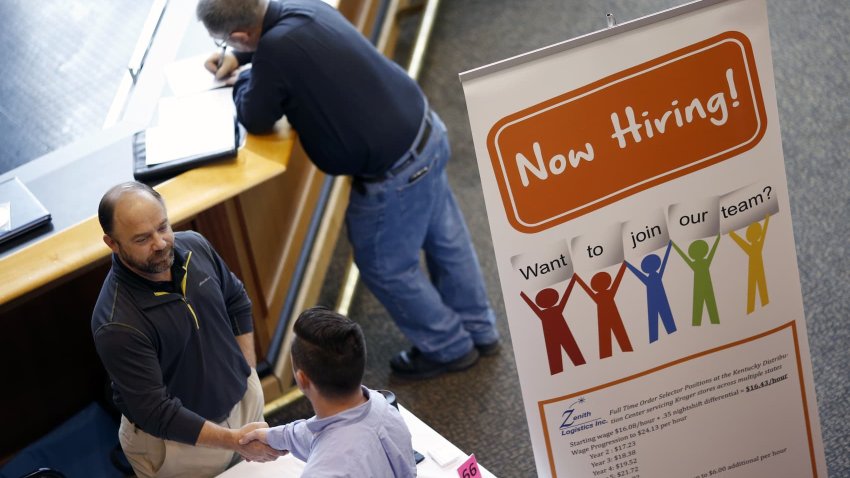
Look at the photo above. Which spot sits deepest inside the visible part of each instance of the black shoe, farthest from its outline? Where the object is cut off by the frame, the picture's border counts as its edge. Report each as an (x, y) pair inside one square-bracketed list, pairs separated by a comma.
[(412, 364), (486, 350)]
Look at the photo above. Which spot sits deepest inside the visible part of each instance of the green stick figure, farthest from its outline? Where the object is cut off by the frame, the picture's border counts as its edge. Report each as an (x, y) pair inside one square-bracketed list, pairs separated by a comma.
[(753, 246), (699, 260)]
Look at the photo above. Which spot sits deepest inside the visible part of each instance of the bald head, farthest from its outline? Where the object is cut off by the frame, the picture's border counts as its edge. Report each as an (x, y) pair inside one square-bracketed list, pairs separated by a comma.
[(136, 228), (106, 209)]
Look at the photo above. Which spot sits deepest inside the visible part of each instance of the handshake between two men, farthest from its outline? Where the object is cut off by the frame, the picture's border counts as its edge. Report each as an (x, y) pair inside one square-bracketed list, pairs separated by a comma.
[(250, 442)]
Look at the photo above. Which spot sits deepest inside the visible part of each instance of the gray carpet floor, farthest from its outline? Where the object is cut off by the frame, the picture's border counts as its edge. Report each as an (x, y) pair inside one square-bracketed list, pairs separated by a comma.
[(480, 410)]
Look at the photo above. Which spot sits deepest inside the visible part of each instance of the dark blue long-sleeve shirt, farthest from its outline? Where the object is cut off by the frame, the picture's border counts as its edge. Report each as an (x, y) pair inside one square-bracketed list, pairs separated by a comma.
[(355, 111), (171, 349)]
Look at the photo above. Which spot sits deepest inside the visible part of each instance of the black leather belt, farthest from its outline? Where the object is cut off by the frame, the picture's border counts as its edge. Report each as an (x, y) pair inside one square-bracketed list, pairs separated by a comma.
[(420, 146)]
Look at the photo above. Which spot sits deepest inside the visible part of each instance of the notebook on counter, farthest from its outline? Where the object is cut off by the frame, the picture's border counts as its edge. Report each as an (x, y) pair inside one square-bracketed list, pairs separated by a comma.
[(192, 130), (159, 153), (20, 210)]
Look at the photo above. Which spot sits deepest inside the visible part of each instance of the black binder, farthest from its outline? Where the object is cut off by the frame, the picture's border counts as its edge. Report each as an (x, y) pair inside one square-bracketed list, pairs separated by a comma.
[(25, 210), (143, 172)]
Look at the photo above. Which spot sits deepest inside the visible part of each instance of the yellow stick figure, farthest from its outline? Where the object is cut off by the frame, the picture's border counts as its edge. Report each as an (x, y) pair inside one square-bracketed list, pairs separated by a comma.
[(753, 246)]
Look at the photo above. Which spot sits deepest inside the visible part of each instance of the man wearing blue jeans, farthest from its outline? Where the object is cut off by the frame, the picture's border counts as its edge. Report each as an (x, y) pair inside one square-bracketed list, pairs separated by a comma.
[(359, 114)]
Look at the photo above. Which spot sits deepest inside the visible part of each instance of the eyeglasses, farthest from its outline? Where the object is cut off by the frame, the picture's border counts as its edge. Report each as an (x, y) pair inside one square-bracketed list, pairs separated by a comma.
[(221, 42)]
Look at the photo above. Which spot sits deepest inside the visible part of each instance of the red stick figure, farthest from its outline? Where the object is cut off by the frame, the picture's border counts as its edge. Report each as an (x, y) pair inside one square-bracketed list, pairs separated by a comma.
[(610, 323), (556, 332)]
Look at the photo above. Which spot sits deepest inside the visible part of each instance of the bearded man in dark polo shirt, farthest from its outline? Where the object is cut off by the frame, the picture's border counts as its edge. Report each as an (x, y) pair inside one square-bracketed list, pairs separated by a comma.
[(359, 114), (173, 327)]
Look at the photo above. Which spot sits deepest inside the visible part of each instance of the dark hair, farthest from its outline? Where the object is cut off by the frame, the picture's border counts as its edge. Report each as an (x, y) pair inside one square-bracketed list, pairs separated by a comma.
[(221, 17), (106, 209), (329, 348)]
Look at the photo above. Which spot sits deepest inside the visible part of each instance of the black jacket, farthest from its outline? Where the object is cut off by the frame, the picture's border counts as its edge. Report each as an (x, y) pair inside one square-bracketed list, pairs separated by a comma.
[(356, 112), (170, 349)]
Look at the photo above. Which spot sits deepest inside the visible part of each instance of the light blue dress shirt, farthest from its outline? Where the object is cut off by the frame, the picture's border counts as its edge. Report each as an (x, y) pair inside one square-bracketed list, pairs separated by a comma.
[(370, 440)]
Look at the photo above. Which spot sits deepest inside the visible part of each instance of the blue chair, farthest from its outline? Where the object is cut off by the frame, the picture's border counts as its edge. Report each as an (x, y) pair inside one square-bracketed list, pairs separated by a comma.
[(82, 447)]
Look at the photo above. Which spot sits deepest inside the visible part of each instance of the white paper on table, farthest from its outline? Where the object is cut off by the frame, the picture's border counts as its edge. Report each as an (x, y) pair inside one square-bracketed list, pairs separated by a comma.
[(163, 144), (180, 110), (286, 466), (194, 125), (188, 76)]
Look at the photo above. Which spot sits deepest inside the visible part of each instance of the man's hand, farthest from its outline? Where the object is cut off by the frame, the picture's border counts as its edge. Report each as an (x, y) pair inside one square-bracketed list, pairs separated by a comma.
[(254, 431), (253, 444), (229, 65)]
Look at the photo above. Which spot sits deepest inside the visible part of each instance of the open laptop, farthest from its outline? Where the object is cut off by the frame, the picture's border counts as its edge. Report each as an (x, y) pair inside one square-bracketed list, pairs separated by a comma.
[(20, 210)]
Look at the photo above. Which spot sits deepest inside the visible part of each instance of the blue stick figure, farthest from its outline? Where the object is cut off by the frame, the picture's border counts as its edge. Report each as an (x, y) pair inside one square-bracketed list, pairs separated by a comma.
[(656, 297)]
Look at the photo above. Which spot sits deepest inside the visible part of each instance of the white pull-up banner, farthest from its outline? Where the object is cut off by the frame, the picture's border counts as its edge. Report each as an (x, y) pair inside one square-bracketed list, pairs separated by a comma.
[(636, 192)]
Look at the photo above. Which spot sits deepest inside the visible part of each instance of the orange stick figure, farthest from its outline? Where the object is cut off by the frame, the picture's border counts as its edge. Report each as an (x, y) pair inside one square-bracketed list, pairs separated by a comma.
[(753, 247)]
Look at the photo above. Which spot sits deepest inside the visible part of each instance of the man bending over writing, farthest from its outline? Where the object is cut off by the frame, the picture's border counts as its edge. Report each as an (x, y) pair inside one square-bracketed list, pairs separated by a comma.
[(359, 114)]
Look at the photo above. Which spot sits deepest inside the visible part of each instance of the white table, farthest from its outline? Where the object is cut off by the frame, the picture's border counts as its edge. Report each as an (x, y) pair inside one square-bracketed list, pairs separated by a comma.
[(425, 441)]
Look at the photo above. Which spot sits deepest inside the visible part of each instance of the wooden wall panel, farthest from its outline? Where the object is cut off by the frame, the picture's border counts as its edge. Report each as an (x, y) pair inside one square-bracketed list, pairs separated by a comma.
[(50, 367)]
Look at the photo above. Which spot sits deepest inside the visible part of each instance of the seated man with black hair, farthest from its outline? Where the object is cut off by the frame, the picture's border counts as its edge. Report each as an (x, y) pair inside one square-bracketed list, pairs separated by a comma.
[(355, 431)]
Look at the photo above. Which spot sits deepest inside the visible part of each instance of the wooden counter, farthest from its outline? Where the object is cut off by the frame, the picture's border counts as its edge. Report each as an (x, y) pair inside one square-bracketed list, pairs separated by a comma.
[(66, 252)]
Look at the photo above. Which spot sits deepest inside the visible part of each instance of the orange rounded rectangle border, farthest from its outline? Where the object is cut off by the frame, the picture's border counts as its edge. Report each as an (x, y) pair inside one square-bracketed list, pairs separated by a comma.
[(628, 132)]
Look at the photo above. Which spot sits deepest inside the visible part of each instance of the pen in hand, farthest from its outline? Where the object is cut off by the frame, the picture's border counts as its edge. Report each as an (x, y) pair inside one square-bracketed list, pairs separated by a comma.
[(220, 60)]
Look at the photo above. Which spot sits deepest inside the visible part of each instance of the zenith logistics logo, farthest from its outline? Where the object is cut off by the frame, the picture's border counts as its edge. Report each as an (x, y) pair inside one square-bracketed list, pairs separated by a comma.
[(574, 420)]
